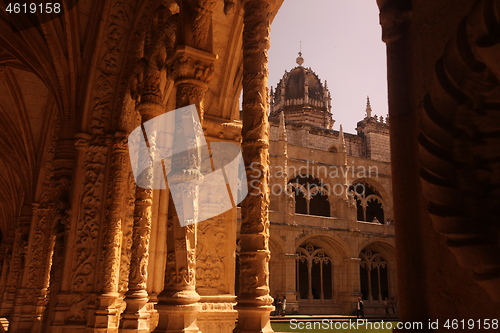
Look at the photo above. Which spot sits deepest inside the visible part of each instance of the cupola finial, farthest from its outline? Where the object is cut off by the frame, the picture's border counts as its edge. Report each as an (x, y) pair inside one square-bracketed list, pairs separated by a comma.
[(299, 59)]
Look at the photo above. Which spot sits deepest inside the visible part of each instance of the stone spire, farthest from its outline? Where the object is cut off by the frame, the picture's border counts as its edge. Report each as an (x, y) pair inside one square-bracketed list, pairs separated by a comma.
[(282, 129), (368, 107), (341, 147)]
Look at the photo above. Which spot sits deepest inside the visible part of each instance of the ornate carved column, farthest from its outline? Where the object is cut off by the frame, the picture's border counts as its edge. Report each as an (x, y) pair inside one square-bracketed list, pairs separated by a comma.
[(78, 276), (151, 81), (254, 302), (178, 303), (106, 314), (6, 257), (52, 209), (16, 261), (33, 287), (136, 316)]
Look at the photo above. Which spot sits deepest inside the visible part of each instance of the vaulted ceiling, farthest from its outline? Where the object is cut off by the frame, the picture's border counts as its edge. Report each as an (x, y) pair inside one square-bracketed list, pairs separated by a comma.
[(61, 70)]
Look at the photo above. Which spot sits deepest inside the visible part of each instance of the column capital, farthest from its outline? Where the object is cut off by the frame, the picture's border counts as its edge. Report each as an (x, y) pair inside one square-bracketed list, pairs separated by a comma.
[(190, 65)]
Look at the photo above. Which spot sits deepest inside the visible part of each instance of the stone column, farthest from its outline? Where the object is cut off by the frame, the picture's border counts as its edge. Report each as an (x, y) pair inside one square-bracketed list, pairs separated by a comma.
[(6, 253), (53, 208), (351, 288), (395, 18), (254, 302), (151, 80), (83, 227), (136, 315), (33, 286), (106, 314), (13, 271), (178, 303), (292, 304)]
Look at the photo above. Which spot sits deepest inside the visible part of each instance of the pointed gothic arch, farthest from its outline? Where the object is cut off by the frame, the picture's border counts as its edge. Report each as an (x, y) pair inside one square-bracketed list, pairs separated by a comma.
[(311, 195), (369, 202)]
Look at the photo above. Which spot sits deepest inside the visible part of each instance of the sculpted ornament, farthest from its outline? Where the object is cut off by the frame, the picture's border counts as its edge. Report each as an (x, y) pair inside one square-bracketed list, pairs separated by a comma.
[(199, 15), (458, 171), (211, 255), (394, 16)]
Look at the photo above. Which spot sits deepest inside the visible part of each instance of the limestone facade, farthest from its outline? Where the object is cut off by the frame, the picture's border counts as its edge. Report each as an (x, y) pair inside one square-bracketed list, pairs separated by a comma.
[(326, 188)]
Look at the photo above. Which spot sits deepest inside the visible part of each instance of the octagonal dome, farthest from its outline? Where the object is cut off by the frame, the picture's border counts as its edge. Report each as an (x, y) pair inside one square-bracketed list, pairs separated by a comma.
[(302, 96)]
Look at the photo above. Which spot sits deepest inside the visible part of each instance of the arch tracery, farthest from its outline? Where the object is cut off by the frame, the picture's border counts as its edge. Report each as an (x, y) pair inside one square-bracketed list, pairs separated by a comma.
[(369, 202), (314, 273), (311, 195)]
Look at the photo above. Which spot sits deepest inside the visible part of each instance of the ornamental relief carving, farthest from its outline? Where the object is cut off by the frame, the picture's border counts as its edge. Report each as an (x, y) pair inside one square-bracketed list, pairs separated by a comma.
[(88, 225), (149, 77), (217, 307), (198, 17), (140, 239), (193, 64), (178, 277), (212, 251), (128, 216), (43, 213), (112, 226), (19, 252), (457, 169)]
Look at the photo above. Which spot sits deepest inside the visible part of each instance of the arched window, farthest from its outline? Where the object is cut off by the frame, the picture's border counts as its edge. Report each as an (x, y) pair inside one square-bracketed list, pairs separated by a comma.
[(314, 273), (369, 202), (373, 276), (311, 196)]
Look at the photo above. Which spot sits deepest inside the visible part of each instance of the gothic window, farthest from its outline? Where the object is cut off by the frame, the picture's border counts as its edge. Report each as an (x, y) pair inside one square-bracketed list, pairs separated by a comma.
[(369, 202), (311, 196), (373, 276), (314, 273)]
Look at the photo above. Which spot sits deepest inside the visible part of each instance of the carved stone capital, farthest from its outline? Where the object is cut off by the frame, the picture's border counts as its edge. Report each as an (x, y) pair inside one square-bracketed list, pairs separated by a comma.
[(189, 63)]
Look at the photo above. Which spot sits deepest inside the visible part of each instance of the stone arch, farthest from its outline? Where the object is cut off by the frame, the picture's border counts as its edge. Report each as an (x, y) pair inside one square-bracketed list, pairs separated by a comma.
[(457, 143), (311, 195), (372, 200), (383, 193), (380, 245), (377, 272), (335, 245), (336, 250)]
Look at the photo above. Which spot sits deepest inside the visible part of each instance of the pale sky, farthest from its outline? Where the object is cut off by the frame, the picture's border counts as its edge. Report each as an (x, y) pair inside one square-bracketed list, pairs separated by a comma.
[(341, 42)]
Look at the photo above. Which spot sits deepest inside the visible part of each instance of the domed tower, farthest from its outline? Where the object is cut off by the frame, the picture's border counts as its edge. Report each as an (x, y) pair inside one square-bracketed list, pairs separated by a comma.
[(302, 97)]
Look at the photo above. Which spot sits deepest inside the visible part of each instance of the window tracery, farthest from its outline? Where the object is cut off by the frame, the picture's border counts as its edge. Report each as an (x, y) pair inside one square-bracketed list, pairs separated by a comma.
[(314, 273), (369, 202), (311, 196), (373, 276)]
